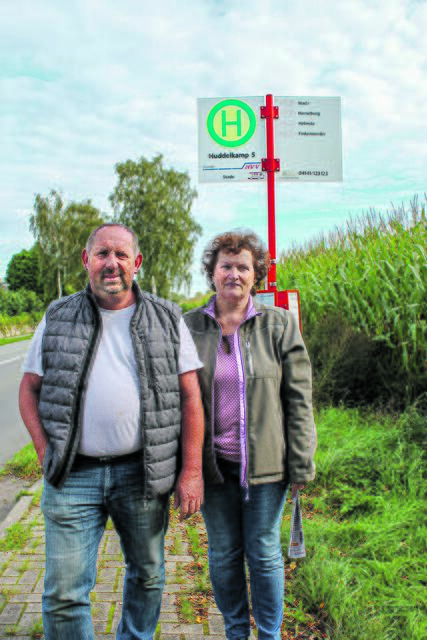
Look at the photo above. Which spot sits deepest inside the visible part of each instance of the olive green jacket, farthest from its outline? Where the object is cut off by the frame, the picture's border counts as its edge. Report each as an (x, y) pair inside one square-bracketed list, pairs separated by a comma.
[(280, 430)]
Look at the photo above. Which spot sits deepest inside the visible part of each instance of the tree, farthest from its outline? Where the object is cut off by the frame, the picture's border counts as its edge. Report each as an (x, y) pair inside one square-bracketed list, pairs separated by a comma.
[(23, 271), (156, 203), (61, 233)]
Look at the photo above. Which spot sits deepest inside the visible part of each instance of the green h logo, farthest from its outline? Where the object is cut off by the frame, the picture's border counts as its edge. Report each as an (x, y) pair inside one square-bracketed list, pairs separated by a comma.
[(231, 123)]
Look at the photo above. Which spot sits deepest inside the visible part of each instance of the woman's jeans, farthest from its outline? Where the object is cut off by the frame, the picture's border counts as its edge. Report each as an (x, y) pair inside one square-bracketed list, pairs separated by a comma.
[(75, 517), (236, 528)]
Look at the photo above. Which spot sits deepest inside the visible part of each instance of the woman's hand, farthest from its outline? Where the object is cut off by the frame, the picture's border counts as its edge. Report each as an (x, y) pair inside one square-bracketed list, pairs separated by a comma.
[(297, 487)]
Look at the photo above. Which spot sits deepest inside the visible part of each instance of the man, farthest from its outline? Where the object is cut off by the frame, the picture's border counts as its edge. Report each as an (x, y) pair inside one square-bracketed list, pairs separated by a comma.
[(108, 381)]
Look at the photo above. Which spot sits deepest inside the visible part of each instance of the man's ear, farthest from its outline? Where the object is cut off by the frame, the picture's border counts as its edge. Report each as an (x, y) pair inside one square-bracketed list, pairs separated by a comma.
[(85, 259), (138, 262)]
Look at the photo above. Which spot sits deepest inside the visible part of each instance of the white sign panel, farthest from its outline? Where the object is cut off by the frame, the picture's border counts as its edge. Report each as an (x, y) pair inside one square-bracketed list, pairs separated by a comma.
[(231, 139), (307, 139), (293, 304), (265, 297)]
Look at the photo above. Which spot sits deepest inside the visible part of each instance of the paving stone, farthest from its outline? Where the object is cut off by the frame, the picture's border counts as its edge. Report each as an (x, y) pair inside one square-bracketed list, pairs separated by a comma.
[(39, 588), (105, 588), (10, 614), (216, 624), (11, 571), (25, 597), (168, 602), (101, 610), (107, 575), (184, 559), (100, 626), (191, 630), (28, 620), (168, 616), (22, 587), (9, 580), (113, 547), (29, 577), (34, 607), (173, 588), (107, 596), (110, 562)]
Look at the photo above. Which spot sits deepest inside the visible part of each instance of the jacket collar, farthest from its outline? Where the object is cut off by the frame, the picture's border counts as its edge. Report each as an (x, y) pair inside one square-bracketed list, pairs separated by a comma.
[(251, 311)]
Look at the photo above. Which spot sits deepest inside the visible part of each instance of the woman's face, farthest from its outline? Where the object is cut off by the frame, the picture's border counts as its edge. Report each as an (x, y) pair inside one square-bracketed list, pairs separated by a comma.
[(234, 275)]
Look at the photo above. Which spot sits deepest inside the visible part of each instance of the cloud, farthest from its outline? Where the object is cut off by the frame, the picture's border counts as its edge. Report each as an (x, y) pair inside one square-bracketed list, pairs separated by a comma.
[(90, 83)]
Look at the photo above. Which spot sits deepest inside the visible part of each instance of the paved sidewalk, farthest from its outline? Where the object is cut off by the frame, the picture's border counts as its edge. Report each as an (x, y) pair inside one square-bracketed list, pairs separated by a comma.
[(21, 584)]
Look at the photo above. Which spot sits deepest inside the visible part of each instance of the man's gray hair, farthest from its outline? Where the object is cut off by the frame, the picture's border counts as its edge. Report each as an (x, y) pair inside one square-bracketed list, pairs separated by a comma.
[(135, 242)]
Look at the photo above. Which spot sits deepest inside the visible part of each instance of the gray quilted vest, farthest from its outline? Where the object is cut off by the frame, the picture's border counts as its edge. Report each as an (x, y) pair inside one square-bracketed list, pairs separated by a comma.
[(70, 341)]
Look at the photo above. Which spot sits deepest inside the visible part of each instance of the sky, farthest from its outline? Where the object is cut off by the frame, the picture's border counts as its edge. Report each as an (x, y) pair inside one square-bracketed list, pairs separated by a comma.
[(85, 84)]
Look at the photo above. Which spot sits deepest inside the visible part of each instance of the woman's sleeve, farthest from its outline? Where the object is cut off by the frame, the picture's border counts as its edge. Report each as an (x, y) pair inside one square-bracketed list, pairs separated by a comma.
[(296, 396)]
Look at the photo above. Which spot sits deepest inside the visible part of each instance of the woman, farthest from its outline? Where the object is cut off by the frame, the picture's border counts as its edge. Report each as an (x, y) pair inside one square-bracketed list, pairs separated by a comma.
[(259, 431)]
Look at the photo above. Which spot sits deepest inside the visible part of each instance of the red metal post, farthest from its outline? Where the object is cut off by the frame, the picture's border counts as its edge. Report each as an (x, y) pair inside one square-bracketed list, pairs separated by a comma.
[(270, 164)]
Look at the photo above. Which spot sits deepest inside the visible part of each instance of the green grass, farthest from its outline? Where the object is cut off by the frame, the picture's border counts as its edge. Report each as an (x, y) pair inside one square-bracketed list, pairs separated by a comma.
[(110, 618), (24, 464), (36, 630), (177, 547), (15, 339), (366, 530), (17, 536), (198, 546)]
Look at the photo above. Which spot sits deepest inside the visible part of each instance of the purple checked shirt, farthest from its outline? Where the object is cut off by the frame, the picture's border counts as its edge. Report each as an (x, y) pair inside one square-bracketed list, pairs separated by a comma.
[(229, 397)]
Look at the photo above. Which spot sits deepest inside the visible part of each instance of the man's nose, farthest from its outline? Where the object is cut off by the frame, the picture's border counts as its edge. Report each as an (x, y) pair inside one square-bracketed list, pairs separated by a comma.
[(111, 261)]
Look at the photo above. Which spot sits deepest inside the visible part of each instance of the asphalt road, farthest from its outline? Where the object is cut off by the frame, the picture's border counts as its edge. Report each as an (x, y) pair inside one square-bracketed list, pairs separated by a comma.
[(13, 434)]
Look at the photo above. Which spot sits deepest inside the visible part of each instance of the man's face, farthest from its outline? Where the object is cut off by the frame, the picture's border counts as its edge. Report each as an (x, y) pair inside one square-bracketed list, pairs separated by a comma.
[(112, 264)]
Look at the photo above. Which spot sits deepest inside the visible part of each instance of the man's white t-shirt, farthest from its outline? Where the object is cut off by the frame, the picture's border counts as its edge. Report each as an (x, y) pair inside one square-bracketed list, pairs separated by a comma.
[(111, 406)]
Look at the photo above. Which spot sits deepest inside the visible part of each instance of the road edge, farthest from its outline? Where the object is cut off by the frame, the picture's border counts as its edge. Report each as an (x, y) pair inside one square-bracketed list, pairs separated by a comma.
[(18, 510)]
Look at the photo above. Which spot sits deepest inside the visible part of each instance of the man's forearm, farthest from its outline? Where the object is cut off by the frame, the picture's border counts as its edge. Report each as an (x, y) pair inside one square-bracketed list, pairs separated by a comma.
[(29, 392), (189, 487), (192, 433)]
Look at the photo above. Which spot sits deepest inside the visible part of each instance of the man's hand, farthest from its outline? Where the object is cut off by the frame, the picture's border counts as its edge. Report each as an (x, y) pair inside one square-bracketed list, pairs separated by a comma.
[(29, 393), (188, 493)]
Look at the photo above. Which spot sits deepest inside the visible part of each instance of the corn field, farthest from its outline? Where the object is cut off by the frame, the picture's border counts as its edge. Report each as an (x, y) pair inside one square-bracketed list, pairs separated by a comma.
[(374, 274)]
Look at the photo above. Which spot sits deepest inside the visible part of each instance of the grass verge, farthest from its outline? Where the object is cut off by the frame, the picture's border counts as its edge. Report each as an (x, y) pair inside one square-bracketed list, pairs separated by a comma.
[(24, 464), (15, 339), (366, 528)]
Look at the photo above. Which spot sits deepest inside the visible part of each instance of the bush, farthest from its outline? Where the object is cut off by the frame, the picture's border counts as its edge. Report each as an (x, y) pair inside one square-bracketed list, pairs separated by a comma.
[(18, 325), (354, 368), (14, 303)]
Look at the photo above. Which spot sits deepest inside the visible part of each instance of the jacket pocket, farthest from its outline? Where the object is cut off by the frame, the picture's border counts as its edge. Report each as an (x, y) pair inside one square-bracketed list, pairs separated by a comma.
[(266, 438)]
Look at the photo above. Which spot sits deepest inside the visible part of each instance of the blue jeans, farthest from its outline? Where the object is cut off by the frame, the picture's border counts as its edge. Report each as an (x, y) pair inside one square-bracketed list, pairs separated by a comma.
[(237, 528), (75, 518)]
